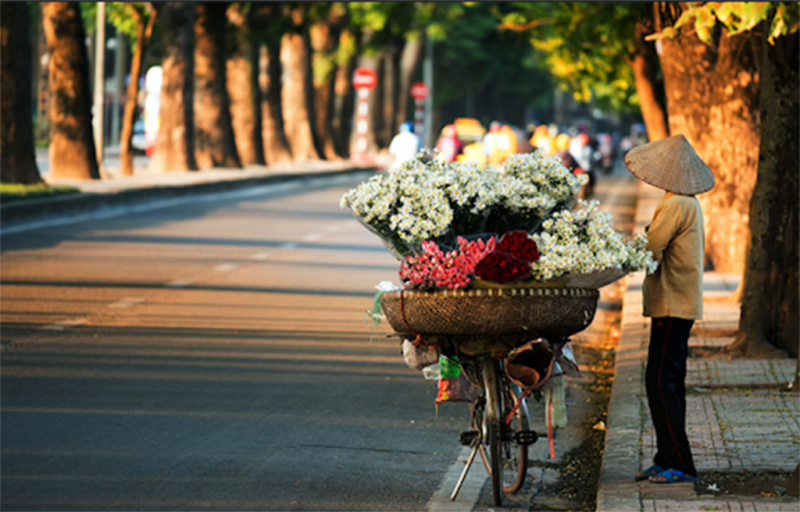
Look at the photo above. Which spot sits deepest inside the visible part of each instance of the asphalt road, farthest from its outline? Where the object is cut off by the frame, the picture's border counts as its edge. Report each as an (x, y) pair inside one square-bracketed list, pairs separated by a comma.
[(211, 356)]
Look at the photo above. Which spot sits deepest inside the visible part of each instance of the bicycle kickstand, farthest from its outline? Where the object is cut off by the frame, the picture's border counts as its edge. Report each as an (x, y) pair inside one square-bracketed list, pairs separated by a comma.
[(475, 448)]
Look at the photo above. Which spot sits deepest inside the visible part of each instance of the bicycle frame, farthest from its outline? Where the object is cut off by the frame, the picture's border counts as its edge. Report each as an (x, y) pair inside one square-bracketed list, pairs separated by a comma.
[(492, 415)]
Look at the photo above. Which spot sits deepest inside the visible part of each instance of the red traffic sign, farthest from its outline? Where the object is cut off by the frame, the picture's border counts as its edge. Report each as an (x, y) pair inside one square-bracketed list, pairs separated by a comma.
[(364, 78), (419, 91)]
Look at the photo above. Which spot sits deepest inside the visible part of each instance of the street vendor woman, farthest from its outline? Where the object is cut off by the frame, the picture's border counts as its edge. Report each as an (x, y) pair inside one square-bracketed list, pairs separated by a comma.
[(673, 294)]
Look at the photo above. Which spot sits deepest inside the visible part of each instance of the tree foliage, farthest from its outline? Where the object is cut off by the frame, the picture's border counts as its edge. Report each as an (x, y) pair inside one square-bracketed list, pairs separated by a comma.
[(503, 74), (737, 17), (119, 15), (585, 45)]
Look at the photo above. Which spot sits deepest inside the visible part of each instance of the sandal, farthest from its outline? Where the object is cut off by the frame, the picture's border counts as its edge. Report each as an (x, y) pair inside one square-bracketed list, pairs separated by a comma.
[(647, 473), (671, 476)]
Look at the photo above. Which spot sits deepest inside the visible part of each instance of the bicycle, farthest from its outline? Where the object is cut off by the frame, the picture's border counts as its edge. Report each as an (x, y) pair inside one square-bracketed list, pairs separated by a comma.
[(492, 321), (500, 430)]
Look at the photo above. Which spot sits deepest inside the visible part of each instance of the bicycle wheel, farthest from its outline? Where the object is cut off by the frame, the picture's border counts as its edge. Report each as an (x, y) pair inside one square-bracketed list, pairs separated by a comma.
[(514, 454), (493, 424)]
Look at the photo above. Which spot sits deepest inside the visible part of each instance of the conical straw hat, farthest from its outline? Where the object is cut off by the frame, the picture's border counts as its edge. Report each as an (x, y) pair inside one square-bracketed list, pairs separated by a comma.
[(670, 164)]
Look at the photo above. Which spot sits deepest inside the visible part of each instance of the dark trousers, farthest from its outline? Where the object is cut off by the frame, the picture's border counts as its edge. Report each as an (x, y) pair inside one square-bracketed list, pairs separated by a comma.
[(665, 380)]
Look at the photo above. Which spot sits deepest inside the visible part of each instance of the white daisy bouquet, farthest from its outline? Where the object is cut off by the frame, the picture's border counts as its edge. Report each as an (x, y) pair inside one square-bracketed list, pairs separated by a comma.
[(429, 200), (583, 242)]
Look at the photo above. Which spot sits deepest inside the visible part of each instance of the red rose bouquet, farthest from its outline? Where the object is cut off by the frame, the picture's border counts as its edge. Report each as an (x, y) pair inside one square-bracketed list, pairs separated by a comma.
[(511, 259)]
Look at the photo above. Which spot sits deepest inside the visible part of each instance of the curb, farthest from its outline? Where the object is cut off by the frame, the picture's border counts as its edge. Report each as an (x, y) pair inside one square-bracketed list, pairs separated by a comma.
[(617, 491), (33, 210)]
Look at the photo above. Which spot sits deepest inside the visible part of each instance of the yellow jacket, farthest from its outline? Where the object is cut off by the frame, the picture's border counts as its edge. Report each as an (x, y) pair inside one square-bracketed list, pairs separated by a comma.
[(676, 238)]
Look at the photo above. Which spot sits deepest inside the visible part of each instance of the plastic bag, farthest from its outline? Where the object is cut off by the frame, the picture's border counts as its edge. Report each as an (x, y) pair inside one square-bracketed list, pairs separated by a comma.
[(419, 356), (453, 385), (555, 403)]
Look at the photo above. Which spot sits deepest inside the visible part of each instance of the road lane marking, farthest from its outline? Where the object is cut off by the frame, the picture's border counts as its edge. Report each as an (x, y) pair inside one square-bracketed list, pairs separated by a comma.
[(60, 326), (261, 256), (470, 490), (312, 237), (179, 283), (226, 267), (126, 303)]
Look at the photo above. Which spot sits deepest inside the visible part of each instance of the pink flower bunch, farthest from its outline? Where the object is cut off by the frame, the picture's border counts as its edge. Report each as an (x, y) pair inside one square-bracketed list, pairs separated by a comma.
[(437, 269)]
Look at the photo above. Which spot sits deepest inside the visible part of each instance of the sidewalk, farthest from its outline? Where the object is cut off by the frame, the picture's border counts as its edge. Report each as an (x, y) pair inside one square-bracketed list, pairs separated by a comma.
[(738, 421), (150, 187)]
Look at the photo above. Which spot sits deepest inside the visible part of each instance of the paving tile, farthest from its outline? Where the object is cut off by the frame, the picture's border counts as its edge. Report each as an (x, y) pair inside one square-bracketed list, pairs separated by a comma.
[(732, 432), (728, 505), (710, 341), (738, 372)]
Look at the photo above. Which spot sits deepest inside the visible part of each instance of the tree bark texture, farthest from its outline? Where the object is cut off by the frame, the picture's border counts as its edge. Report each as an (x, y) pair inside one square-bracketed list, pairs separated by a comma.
[(276, 147), (144, 30), (242, 94), (730, 149), (213, 131), (645, 67), (687, 64), (323, 39), (254, 57), (175, 145), (770, 305), (265, 20), (72, 150), (409, 62), (343, 93), (389, 88), (295, 95), (17, 153)]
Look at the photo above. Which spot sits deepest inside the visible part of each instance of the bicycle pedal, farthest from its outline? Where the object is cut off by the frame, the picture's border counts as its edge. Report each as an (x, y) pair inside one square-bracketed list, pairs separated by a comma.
[(468, 438), (526, 437)]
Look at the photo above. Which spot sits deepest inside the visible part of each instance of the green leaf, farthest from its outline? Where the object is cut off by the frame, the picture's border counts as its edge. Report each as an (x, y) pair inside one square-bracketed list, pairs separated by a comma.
[(753, 13), (778, 27)]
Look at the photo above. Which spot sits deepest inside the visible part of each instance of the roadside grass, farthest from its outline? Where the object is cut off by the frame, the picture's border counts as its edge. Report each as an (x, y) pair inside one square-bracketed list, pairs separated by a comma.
[(10, 192)]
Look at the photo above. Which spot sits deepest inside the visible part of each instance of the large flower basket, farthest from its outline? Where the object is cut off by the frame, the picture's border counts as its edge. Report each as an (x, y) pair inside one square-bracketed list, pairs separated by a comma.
[(492, 320)]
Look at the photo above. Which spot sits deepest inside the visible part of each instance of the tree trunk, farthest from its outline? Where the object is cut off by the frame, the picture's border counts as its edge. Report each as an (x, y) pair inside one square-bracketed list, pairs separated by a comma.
[(265, 21), (242, 94), (389, 90), (645, 67), (343, 93), (72, 151), (276, 147), (731, 151), (254, 58), (687, 64), (214, 144), (144, 30), (297, 122), (711, 100), (175, 145), (323, 38), (409, 62), (770, 307), (17, 153)]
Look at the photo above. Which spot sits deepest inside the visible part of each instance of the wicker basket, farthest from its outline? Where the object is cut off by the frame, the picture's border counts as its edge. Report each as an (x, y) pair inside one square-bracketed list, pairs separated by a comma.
[(514, 315)]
